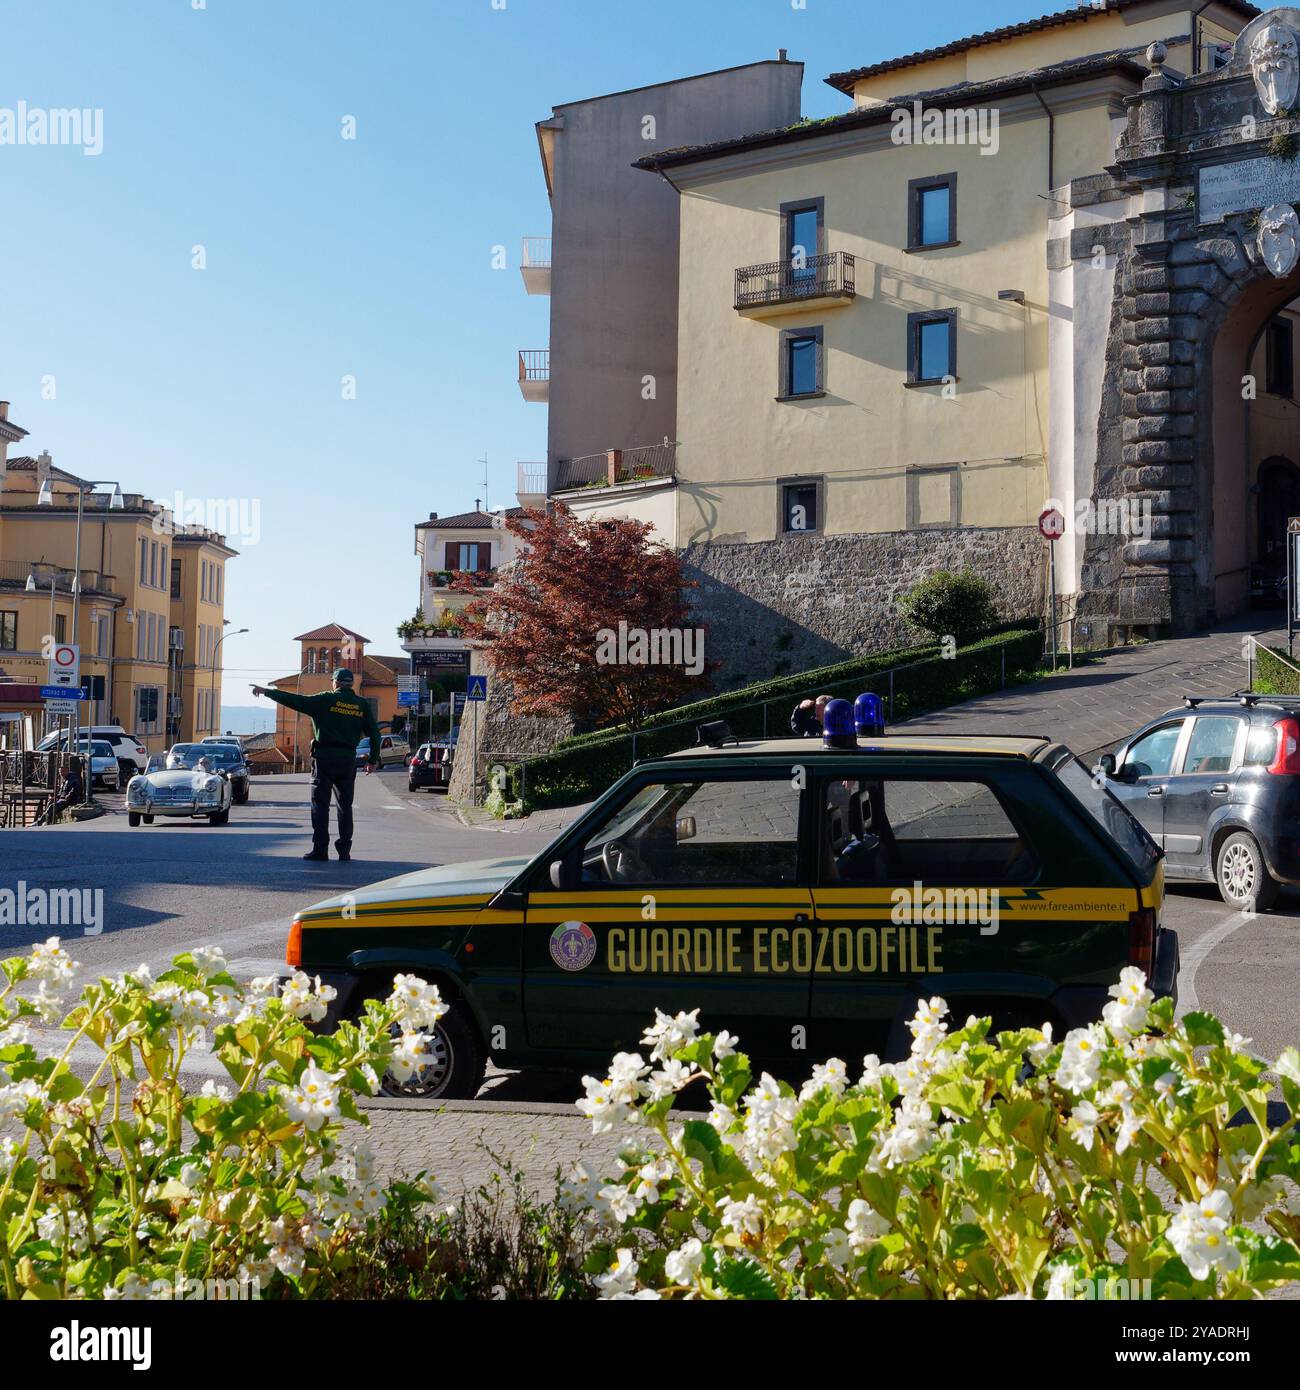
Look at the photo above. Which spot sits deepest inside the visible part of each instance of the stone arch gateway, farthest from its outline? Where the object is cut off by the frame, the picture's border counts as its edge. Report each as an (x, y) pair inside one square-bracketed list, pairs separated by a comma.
[(1162, 275)]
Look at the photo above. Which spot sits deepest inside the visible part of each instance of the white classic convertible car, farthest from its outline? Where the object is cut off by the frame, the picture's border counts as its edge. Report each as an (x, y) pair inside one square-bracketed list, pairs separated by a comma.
[(194, 792)]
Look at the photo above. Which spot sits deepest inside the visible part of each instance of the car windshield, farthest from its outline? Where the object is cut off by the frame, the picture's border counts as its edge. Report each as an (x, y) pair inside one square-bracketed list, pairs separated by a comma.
[(188, 754), (157, 762), (223, 755), (1112, 815)]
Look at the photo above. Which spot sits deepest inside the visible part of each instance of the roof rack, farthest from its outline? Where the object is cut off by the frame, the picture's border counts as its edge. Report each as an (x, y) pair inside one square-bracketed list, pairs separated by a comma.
[(1191, 701)]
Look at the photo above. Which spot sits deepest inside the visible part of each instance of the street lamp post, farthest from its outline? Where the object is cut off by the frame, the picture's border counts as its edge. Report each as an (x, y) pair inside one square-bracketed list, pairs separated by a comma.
[(212, 699), (45, 498)]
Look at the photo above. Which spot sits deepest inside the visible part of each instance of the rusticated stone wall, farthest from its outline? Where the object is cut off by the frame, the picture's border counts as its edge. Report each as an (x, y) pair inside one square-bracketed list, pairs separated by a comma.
[(776, 607)]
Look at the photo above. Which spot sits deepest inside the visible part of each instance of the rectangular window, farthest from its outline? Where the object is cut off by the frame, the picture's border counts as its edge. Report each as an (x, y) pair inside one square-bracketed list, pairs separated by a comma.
[(153, 563), (144, 561), (931, 347), (803, 233), (902, 830), (203, 580), (1279, 367), (164, 570), (801, 506), (60, 627), (176, 579), (146, 709), (706, 833), (1211, 745), (801, 366), (932, 212), (8, 632), (218, 571)]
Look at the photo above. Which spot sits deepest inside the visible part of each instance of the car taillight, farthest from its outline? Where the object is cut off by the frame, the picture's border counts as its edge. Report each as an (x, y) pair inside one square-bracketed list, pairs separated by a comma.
[(293, 947), (1286, 758), (416, 762), (139, 750), (1142, 939)]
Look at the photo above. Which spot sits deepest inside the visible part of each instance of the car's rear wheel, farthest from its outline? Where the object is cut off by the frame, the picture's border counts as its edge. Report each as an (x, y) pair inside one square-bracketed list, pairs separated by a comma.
[(456, 1065), (148, 820), (1243, 877)]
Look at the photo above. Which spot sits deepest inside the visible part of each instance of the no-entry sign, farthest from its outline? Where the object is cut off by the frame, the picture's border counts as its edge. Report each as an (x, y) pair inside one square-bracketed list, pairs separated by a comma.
[(65, 664), (1051, 524)]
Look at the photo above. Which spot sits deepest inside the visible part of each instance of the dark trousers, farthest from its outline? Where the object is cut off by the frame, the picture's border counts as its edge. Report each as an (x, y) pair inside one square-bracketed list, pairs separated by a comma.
[(332, 774)]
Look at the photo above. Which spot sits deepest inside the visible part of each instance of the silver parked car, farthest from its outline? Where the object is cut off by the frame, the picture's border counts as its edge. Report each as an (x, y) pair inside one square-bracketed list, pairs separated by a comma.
[(100, 760)]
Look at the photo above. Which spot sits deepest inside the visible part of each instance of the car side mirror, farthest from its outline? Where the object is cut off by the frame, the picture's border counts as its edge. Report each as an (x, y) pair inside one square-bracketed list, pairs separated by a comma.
[(685, 828), (1127, 773), (1106, 764)]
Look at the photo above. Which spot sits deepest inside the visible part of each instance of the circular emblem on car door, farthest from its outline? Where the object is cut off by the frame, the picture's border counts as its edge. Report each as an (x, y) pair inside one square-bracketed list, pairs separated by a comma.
[(573, 945)]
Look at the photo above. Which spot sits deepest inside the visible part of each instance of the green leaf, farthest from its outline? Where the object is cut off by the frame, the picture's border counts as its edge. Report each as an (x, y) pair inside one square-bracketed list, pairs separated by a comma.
[(1202, 1029), (742, 1278)]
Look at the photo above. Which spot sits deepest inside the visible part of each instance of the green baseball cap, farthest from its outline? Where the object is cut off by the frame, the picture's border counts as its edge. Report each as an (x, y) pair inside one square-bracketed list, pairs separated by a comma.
[(343, 676)]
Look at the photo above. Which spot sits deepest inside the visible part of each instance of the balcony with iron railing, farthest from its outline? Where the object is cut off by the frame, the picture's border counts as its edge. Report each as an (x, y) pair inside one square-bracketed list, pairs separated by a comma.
[(530, 484), (794, 286), (647, 464), (535, 264), (535, 374)]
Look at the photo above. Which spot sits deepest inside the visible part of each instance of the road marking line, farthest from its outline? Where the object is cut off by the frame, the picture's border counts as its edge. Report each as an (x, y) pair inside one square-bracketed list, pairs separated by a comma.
[(1196, 955)]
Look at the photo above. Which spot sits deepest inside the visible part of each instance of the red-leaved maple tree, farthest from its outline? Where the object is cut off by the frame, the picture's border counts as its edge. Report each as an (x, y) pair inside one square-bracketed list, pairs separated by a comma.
[(586, 595)]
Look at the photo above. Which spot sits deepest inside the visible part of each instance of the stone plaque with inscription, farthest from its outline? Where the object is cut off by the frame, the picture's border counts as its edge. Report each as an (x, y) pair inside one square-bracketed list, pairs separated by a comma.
[(1245, 185)]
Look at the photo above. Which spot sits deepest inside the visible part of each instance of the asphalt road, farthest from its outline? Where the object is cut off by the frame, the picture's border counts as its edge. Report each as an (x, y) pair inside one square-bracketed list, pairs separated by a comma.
[(180, 883)]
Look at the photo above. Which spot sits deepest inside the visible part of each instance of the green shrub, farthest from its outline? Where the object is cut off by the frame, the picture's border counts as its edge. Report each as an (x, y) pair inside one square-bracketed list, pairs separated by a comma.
[(583, 767), (945, 604), (1106, 1164), (1274, 675)]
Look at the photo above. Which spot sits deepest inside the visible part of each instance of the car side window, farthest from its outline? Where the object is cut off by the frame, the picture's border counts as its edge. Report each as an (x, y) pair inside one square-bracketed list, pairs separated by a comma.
[(888, 830), (1211, 745), (1153, 754), (1261, 746), (743, 831)]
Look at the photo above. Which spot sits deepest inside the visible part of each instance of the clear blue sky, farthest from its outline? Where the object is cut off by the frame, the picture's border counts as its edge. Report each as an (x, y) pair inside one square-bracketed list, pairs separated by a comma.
[(328, 257)]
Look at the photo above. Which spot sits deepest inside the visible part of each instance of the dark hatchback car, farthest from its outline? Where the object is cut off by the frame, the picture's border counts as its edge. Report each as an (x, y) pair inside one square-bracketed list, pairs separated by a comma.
[(1217, 785), (226, 759), (430, 766)]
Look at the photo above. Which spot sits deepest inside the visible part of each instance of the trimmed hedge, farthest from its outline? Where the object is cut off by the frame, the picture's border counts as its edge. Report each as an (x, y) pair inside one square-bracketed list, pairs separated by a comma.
[(583, 767), (1273, 674)]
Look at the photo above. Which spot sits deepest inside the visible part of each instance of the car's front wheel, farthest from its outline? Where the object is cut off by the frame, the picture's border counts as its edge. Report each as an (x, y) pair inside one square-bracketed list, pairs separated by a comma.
[(1243, 877), (456, 1062), (133, 818), (219, 817)]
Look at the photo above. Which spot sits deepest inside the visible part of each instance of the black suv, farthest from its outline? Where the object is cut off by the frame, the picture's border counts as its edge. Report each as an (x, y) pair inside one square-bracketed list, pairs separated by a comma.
[(1217, 784)]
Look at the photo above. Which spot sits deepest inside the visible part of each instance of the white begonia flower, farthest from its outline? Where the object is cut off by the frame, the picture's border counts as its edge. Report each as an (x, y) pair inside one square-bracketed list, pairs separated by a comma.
[(611, 1100), (620, 1277), (1235, 1042), (651, 1177), (192, 1176), (724, 1045), (670, 1033), (49, 961), (133, 1289), (1084, 1119), (864, 1224), (1126, 1014), (683, 1265), (210, 960), (410, 1055), (48, 1004), (1081, 1059), (15, 1034), (622, 1204), (1199, 1235), (873, 1069), (833, 1074), (837, 1247), (927, 1026), (15, 1098), (10, 1148), (745, 1218), (286, 1252), (64, 1228), (307, 998), (670, 1078), (721, 1117), (419, 1003), (314, 1100), (211, 1090), (1040, 1051), (911, 1137)]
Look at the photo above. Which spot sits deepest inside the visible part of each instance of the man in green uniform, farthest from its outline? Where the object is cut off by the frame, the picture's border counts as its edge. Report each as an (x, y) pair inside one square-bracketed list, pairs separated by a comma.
[(340, 719)]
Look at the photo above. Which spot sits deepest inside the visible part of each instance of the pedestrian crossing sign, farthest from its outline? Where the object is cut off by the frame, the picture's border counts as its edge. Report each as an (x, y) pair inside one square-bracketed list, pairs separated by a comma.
[(476, 688)]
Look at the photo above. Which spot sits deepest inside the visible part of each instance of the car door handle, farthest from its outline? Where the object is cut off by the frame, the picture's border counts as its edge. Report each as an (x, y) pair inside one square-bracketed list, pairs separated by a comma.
[(800, 916), (1220, 789), (1155, 791)]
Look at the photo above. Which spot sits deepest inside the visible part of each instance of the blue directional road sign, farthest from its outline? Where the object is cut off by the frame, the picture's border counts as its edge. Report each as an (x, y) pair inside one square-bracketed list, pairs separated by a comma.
[(64, 692), (408, 697), (476, 688)]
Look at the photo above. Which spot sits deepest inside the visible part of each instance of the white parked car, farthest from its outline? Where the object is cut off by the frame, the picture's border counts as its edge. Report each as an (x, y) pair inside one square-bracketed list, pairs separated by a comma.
[(103, 763), (192, 792), (130, 752)]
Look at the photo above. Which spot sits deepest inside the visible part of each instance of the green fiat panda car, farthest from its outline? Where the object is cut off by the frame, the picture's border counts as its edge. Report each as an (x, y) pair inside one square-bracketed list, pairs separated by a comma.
[(800, 895)]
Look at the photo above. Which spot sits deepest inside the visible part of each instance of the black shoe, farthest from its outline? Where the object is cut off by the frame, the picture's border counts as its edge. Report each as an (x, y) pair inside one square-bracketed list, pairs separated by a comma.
[(317, 858), (345, 856)]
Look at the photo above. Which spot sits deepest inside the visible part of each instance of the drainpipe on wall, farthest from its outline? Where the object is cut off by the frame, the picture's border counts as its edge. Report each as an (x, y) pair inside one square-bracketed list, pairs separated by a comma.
[(1051, 138)]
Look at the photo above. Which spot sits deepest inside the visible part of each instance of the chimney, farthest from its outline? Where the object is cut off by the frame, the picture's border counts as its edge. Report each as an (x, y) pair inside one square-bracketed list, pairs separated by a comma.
[(780, 56), (4, 410), (44, 465), (478, 504), (433, 516)]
